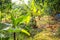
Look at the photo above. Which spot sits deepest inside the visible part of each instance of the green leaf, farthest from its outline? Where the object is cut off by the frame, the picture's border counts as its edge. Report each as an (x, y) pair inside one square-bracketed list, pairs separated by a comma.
[(20, 20), (12, 30), (27, 20), (23, 19), (13, 19), (25, 31)]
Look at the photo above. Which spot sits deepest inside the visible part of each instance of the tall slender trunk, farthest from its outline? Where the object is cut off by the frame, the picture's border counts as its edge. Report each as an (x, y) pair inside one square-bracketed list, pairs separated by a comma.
[(14, 35)]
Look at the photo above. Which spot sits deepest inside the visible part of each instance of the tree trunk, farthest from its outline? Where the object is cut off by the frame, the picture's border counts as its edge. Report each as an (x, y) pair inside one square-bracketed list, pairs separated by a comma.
[(14, 35)]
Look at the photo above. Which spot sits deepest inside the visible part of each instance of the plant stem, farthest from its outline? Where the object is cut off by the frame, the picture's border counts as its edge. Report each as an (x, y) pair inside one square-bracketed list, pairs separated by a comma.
[(14, 36)]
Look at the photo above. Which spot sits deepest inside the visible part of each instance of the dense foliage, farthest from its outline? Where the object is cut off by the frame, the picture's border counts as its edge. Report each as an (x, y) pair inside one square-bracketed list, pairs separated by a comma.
[(24, 20)]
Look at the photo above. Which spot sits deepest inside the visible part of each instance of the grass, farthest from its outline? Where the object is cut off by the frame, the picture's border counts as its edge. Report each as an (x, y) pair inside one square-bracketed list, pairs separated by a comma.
[(45, 35)]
